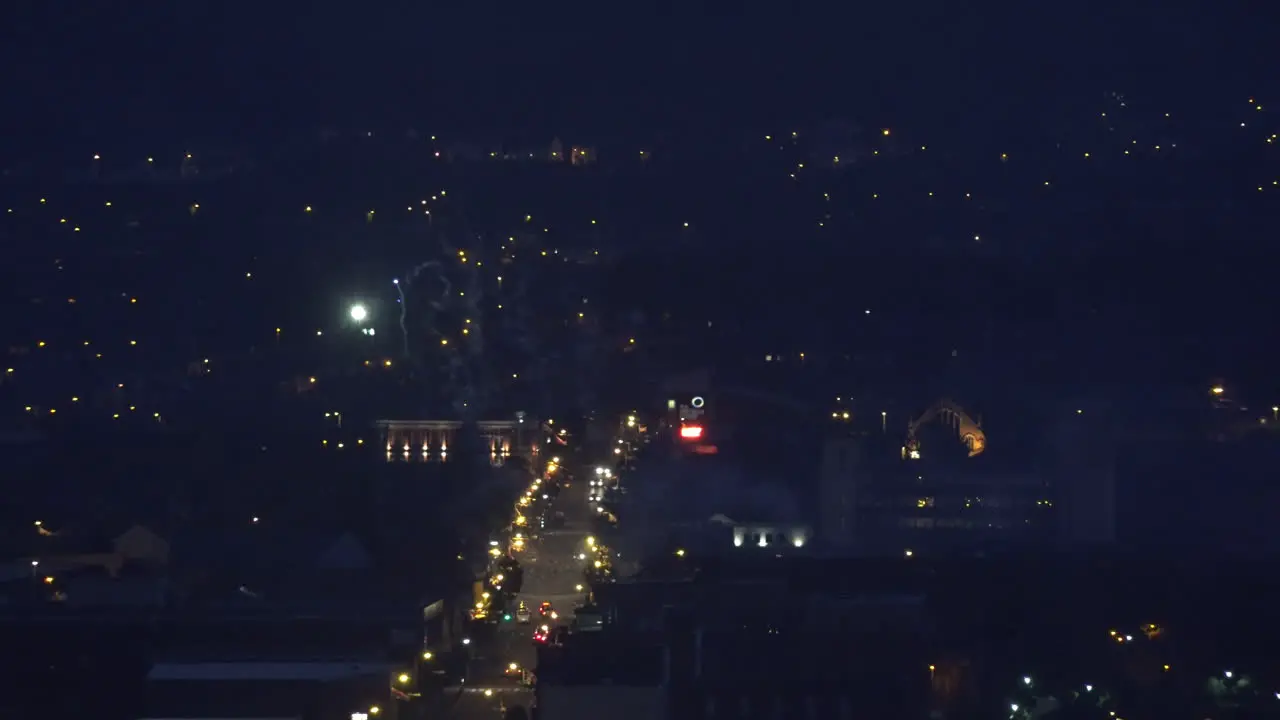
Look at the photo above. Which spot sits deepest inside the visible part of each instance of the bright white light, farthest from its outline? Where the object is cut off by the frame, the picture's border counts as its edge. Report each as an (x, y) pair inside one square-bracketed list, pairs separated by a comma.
[(359, 313)]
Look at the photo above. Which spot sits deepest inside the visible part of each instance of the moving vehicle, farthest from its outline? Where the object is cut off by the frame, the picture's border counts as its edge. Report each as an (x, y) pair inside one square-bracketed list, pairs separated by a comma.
[(523, 616)]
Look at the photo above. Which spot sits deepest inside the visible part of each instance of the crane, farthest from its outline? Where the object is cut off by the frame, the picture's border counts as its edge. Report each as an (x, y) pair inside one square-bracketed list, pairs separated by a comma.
[(969, 430)]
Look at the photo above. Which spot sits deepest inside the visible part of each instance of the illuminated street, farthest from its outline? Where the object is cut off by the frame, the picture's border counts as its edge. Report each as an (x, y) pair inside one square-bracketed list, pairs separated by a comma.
[(553, 561), (553, 566)]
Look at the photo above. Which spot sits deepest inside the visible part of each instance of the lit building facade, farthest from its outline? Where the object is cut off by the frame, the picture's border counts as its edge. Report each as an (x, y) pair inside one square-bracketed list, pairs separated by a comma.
[(431, 440), (939, 490), (771, 537)]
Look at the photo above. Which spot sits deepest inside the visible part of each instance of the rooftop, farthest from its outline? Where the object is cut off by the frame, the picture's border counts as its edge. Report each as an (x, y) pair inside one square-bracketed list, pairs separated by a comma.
[(268, 639), (731, 660), (598, 658)]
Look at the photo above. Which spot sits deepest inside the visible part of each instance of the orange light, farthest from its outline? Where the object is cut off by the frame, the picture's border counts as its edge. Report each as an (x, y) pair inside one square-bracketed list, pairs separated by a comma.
[(691, 432)]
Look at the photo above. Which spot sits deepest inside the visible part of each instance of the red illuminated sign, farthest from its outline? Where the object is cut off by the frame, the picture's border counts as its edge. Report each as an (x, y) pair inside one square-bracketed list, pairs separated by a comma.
[(691, 432)]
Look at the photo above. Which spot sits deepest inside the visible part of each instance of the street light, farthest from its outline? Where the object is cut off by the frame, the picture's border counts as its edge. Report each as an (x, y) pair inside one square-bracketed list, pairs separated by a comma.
[(359, 313)]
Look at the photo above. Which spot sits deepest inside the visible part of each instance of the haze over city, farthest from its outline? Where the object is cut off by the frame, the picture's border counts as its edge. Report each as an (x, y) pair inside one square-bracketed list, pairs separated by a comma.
[(549, 361)]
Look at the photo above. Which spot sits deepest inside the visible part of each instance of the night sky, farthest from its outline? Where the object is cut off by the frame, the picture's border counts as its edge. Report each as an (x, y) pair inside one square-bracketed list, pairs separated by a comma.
[(251, 69)]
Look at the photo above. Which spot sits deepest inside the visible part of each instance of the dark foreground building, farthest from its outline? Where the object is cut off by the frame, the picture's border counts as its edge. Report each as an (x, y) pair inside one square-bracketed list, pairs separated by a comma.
[(739, 645), (296, 668), (296, 690), (773, 638), (696, 674)]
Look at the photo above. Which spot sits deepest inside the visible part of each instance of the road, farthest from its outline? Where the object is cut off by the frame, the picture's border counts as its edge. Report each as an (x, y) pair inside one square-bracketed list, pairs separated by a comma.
[(553, 572)]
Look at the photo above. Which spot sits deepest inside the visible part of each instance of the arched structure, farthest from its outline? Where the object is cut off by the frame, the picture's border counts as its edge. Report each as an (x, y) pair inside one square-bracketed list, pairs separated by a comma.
[(969, 430)]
